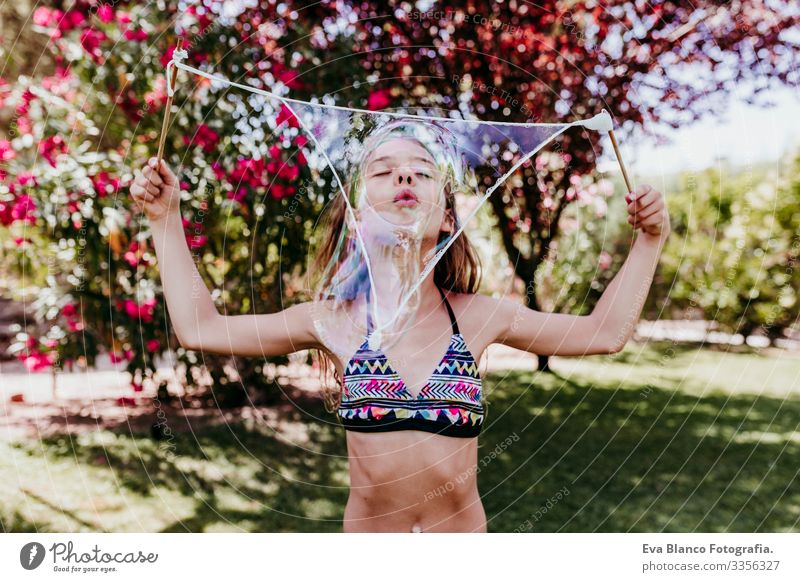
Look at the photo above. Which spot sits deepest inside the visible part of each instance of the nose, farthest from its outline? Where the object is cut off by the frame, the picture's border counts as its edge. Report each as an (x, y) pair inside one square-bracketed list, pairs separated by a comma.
[(404, 176)]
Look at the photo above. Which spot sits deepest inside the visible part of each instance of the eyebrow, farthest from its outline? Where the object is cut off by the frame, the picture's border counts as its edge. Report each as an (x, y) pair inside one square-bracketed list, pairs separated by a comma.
[(420, 158)]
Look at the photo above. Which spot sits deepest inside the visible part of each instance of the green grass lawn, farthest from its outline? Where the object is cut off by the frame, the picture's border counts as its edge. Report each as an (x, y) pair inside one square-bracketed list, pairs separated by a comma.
[(656, 438)]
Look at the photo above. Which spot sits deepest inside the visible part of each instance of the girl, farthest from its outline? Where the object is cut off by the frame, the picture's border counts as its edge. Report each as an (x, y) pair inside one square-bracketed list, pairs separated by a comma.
[(412, 409)]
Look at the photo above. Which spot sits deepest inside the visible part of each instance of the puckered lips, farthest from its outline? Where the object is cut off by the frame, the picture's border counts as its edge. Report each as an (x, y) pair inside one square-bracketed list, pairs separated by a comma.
[(406, 198)]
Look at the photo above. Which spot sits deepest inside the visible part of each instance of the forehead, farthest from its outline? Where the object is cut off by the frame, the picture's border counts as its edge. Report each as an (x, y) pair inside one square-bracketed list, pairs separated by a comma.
[(399, 150)]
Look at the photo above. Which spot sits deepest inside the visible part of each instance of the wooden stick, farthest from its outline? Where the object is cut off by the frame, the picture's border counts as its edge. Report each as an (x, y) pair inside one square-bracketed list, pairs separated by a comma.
[(165, 122), (619, 159)]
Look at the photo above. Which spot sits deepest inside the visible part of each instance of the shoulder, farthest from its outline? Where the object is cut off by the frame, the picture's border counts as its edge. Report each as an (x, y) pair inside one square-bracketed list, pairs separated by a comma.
[(485, 315), (481, 303)]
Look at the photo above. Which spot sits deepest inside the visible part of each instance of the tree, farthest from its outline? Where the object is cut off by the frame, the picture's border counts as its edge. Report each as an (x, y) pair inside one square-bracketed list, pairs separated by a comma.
[(646, 62), (741, 268)]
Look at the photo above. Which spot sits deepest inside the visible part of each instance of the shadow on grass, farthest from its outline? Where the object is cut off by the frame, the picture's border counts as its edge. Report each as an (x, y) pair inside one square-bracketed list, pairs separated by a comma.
[(587, 457), (603, 458), (241, 476)]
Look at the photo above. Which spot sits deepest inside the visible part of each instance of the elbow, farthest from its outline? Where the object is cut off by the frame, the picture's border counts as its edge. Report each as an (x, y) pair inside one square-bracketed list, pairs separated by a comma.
[(187, 345), (199, 337), (612, 341), (186, 341), (614, 348)]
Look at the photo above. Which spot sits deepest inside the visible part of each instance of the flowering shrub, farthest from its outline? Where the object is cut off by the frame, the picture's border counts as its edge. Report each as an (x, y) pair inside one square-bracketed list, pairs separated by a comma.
[(82, 252)]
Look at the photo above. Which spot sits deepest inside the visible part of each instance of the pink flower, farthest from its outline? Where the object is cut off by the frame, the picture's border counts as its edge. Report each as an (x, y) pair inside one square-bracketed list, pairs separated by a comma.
[(7, 153), (286, 114), (153, 345), (46, 17), (143, 311), (238, 195), (105, 13), (126, 401), (604, 260), (25, 177), (205, 137), (73, 325), (137, 387), (378, 100), (136, 35), (59, 84), (38, 361), (116, 357), (72, 20), (289, 172), (278, 191), (167, 56), (69, 310), (249, 171), (104, 184), (24, 209), (90, 41), (158, 96), (25, 104), (133, 256), (51, 147), (5, 214), (286, 76), (219, 172), (196, 241)]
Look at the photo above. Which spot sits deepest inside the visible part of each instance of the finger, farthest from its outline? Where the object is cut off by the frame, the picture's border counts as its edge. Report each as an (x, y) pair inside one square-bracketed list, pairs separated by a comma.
[(649, 223), (652, 209), (153, 177), (154, 190), (647, 198), (637, 192), (167, 175), (643, 200), (652, 220)]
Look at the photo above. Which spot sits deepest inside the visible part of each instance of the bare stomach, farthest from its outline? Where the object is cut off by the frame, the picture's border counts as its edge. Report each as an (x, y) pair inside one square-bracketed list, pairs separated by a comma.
[(409, 481)]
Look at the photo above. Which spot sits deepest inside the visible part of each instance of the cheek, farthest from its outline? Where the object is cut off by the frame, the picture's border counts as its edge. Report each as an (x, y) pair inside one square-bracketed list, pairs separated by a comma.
[(434, 194), (377, 190)]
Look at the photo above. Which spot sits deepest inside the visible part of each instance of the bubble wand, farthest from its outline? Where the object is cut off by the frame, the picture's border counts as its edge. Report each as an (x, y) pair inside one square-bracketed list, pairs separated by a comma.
[(171, 78)]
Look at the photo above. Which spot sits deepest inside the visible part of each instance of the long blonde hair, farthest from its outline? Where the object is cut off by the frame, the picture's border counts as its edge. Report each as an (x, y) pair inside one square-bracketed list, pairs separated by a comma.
[(458, 270)]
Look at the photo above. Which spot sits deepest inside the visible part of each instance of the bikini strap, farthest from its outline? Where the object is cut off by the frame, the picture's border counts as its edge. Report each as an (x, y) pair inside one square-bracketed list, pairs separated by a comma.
[(369, 312), (453, 322), (449, 311)]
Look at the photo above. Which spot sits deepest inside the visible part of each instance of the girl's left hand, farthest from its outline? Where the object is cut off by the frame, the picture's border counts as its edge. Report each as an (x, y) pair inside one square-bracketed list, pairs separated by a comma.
[(647, 210)]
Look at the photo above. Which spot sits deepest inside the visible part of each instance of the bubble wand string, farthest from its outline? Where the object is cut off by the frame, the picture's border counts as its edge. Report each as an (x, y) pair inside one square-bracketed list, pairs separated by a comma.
[(600, 122), (168, 107)]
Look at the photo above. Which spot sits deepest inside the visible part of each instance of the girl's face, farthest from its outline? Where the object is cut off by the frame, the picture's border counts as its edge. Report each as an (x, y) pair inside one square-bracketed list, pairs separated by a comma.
[(405, 187)]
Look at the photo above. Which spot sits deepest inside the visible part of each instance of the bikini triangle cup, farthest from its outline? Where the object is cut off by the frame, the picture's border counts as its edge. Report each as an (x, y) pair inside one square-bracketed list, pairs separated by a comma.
[(489, 153), (455, 338), (450, 403)]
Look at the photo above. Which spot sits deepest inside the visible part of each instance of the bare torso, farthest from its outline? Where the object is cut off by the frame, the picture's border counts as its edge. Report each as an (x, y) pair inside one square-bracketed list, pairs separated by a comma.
[(409, 480)]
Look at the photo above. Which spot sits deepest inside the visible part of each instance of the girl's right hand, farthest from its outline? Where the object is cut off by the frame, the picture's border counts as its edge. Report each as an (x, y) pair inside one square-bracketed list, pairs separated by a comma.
[(155, 190)]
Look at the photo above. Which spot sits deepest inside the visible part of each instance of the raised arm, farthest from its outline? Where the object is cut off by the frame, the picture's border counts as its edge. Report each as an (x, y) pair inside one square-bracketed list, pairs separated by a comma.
[(612, 322), (197, 323)]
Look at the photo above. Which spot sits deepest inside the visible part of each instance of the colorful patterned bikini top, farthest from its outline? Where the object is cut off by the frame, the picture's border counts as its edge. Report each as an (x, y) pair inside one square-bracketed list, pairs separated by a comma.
[(376, 399)]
